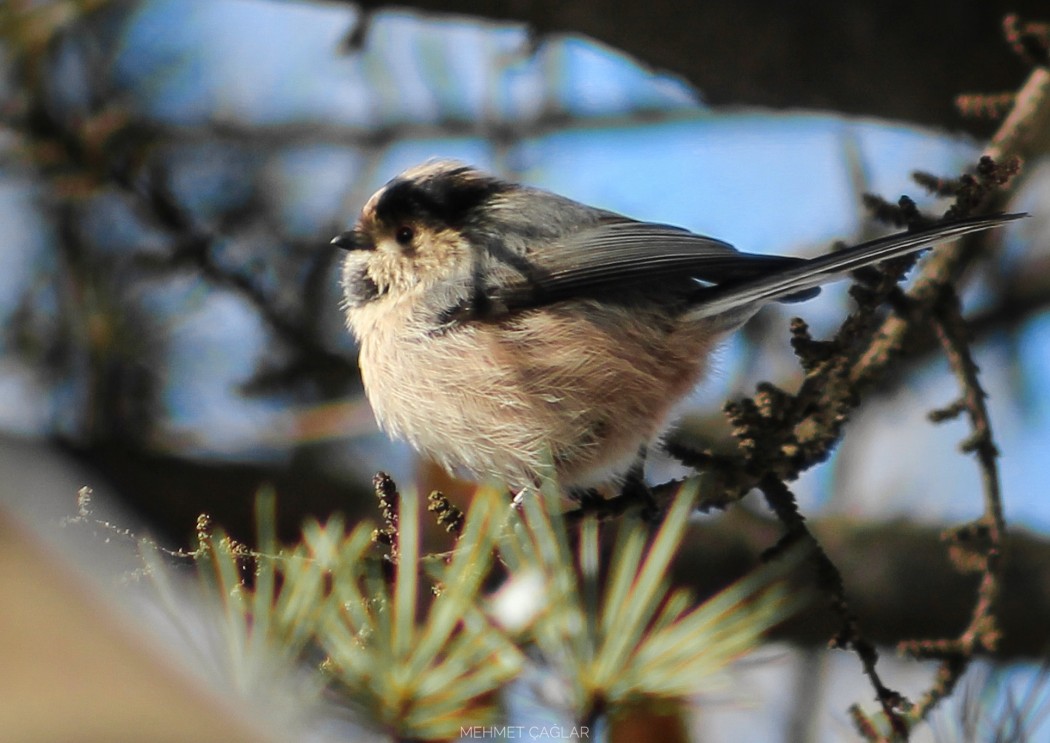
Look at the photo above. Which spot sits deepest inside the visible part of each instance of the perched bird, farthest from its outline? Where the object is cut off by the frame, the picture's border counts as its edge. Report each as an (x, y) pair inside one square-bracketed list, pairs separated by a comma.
[(514, 333)]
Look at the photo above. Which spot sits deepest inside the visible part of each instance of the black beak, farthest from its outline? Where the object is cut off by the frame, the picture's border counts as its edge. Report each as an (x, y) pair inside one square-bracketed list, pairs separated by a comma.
[(350, 240)]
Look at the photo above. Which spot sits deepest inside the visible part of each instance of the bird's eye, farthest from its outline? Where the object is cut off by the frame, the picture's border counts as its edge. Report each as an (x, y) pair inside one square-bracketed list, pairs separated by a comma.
[(404, 235)]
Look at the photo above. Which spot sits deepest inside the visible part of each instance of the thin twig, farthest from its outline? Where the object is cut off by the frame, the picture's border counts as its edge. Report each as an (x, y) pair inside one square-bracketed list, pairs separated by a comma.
[(977, 546), (782, 502)]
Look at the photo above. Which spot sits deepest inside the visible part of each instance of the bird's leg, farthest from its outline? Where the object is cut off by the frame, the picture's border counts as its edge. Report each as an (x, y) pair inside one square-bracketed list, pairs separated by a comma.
[(635, 489), (588, 498)]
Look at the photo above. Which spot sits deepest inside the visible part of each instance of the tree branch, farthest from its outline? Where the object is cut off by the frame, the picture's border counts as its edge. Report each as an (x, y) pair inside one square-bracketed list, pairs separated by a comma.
[(822, 55)]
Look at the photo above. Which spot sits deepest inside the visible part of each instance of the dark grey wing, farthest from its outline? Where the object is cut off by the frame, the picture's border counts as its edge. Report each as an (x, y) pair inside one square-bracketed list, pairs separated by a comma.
[(621, 255)]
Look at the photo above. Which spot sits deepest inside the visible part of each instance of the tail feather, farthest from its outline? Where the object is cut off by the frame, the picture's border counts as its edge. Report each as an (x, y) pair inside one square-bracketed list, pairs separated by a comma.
[(812, 273)]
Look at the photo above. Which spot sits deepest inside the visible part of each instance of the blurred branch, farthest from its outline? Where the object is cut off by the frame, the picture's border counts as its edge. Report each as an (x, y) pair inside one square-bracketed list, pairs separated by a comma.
[(825, 54), (902, 582), (106, 149)]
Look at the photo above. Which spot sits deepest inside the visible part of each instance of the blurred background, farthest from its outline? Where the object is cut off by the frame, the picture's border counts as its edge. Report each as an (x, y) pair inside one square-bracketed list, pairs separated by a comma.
[(172, 172)]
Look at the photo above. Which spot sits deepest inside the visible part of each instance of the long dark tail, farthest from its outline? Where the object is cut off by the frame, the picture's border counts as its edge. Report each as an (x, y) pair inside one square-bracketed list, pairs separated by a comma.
[(823, 269)]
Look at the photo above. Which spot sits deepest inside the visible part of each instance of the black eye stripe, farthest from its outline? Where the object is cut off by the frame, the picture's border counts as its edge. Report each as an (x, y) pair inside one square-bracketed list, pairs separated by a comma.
[(448, 198)]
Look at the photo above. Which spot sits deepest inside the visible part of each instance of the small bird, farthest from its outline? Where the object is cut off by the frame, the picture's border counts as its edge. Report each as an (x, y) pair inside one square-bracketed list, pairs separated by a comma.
[(516, 334)]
